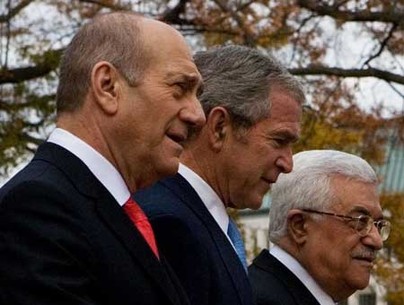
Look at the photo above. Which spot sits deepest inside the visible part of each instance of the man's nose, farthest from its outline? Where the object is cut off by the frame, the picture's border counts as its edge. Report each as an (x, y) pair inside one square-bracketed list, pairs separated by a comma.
[(373, 239), (193, 114), (285, 161)]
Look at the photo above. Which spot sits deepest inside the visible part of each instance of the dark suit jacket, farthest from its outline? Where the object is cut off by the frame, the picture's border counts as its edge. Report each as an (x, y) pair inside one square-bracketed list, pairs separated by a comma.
[(195, 245), (65, 240), (274, 284)]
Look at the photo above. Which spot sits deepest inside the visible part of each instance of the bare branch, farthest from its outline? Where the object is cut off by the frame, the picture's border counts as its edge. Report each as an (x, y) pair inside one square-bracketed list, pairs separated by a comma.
[(249, 38), (172, 15), (382, 45), (17, 75), (395, 15), (115, 7), (371, 72), (14, 11), (298, 31), (397, 91), (30, 139)]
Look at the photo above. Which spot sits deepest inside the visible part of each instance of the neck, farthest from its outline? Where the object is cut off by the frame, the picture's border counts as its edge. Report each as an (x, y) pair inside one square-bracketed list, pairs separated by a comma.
[(204, 163)]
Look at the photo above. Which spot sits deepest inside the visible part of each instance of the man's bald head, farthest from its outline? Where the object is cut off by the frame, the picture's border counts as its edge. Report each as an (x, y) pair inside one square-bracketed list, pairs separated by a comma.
[(117, 38)]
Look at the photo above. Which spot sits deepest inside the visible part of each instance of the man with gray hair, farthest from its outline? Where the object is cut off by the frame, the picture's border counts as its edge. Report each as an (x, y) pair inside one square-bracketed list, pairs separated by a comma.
[(326, 226), (253, 107)]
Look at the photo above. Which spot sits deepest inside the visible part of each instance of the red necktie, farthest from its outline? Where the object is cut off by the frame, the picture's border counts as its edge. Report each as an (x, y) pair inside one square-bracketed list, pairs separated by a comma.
[(141, 222)]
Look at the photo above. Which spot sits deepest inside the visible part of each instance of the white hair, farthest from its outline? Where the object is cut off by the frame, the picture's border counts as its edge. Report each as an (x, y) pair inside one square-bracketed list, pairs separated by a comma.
[(308, 186)]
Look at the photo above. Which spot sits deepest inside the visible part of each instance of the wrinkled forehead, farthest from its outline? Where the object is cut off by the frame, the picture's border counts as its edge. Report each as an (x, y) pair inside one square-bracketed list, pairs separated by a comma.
[(356, 197)]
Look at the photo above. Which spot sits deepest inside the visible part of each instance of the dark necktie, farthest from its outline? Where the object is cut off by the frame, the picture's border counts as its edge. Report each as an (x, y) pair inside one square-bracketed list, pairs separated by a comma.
[(141, 222), (236, 239)]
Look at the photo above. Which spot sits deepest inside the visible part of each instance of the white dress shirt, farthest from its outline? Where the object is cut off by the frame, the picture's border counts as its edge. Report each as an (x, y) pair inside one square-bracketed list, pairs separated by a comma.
[(208, 196), (297, 269), (105, 172)]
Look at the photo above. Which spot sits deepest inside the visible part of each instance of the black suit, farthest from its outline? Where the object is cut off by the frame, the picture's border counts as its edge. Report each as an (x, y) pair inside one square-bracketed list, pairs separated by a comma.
[(65, 240), (274, 284), (196, 247)]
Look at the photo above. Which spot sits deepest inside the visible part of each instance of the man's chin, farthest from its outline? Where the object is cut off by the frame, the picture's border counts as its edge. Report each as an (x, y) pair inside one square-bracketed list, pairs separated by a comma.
[(159, 172), (170, 169), (247, 205)]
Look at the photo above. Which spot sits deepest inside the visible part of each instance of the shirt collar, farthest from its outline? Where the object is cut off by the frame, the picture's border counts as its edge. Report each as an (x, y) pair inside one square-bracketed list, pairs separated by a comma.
[(102, 169), (297, 269), (208, 196)]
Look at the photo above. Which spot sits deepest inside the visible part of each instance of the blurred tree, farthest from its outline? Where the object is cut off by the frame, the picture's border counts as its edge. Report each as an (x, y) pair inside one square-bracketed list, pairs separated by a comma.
[(344, 50), (390, 268), (311, 37)]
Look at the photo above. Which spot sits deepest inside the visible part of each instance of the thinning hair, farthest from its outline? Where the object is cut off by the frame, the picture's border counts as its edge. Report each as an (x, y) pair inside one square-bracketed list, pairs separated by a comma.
[(240, 79), (115, 38), (308, 186)]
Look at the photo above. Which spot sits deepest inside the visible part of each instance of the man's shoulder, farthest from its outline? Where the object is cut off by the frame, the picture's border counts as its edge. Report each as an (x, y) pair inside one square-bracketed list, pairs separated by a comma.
[(263, 266), (36, 175), (266, 284), (165, 197), (274, 283), (171, 208)]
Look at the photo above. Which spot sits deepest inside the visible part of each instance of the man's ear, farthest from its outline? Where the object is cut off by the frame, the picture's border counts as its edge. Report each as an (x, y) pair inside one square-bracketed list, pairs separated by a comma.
[(105, 84), (297, 226), (218, 125)]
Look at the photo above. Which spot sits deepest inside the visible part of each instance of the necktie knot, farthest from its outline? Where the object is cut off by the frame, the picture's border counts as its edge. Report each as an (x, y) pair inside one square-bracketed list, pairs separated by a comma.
[(237, 240), (141, 222), (134, 210)]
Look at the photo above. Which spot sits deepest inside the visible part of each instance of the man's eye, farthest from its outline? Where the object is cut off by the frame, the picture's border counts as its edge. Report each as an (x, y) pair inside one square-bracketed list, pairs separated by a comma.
[(179, 89), (181, 86), (363, 221), (281, 141)]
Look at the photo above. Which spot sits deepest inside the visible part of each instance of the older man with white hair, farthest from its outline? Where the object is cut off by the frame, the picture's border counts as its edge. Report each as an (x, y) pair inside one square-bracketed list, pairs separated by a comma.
[(326, 226)]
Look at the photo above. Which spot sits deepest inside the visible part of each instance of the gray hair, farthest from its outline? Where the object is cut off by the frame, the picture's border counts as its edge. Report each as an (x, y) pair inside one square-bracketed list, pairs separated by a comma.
[(115, 38), (308, 186), (240, 79)]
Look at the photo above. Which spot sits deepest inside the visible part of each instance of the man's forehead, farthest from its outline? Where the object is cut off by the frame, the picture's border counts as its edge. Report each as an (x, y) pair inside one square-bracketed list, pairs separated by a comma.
[(362, 198), (371, 209), (189, 80)]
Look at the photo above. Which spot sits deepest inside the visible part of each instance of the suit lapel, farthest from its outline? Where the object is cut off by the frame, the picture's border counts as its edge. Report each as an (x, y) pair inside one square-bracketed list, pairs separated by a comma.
[(229, 257), (111, 213), (131, 238), (300, 293)]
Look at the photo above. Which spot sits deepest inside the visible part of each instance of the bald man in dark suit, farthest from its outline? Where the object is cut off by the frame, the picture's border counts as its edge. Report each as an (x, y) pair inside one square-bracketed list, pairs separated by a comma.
[(66, 230)]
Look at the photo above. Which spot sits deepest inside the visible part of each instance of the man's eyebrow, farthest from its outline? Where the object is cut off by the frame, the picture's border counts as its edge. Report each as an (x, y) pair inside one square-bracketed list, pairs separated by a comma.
[(287, 135), (364, 211), (191, 80), (359, 209), (200, 88)]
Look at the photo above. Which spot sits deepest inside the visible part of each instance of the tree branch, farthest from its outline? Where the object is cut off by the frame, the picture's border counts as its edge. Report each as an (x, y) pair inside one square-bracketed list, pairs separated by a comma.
[(115, 7), (14, 11), (371, 72), (383, 44), (50, 63), (393, 15), (14, 76), (249, 37), (172, 16)]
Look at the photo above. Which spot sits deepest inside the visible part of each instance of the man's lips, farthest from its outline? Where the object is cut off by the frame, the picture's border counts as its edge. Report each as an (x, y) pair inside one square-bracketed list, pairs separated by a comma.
[(269, 181), (177, 137), (366, 256)]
